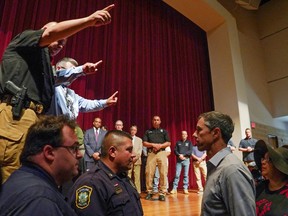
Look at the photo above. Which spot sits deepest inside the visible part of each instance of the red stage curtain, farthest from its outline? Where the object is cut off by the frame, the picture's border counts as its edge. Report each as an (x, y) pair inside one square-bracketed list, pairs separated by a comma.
[(156, 58)]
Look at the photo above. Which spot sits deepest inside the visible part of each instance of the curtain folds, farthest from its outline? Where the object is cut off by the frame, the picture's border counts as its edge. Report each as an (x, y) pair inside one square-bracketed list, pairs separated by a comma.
[(155, 57)]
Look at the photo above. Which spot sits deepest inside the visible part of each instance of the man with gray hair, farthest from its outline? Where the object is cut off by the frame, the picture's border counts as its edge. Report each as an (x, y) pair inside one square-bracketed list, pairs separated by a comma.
[(119, 125), (230, 188)]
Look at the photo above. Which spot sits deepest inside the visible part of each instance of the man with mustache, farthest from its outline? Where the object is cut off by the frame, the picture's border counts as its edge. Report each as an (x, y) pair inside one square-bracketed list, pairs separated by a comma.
[(106, 189)]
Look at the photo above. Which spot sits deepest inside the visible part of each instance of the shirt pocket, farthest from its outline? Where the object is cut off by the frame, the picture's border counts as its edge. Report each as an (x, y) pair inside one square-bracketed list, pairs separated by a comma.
[(119, 204)]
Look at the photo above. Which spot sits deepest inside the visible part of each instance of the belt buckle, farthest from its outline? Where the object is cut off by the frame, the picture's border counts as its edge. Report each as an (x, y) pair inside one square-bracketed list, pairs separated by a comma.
[(39, 108)]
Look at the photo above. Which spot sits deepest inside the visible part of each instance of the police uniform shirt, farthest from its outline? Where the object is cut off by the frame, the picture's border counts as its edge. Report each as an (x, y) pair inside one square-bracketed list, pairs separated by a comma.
[(154, 135), (25, 63), (101, 192)]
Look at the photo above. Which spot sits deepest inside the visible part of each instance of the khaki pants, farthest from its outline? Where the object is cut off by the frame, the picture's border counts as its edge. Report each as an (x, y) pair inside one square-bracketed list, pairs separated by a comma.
[(198, 169), (136, 172), (159, 159), (12, 138)]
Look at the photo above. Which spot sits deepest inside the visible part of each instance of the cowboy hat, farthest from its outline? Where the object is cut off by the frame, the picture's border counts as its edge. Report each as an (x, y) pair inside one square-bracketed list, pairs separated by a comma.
[(279, 156)]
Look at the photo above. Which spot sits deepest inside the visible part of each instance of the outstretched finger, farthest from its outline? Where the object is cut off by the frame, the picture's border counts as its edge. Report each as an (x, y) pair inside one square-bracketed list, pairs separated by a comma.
[(114, 94), (110, 7), (97, 63)]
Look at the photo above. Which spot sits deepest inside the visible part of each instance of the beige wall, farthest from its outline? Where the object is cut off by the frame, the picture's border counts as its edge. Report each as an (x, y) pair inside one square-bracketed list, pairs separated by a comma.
[(263, 40), (264, 49), (273, 32), (240, 46)]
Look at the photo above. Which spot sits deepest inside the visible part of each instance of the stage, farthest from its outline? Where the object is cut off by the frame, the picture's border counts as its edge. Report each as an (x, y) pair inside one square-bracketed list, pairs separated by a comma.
[(175, 204)]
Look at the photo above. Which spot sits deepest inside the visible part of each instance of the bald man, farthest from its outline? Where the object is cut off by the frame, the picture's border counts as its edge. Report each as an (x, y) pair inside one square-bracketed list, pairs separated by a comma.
[(106, 189)]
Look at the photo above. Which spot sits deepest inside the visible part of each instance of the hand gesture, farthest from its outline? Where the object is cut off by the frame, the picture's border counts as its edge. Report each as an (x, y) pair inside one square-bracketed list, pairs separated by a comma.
[(90, 68), (112, 100), (102, 17)]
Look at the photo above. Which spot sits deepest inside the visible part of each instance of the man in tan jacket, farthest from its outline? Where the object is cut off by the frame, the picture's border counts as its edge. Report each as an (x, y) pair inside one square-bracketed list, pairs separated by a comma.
[(137, 150)]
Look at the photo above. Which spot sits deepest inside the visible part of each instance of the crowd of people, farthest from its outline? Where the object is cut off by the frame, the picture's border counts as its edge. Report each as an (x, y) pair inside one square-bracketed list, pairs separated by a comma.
[(42, 148)]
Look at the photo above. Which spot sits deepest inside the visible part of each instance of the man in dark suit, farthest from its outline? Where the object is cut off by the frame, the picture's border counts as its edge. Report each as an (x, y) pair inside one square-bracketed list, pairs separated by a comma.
[(93, 140)]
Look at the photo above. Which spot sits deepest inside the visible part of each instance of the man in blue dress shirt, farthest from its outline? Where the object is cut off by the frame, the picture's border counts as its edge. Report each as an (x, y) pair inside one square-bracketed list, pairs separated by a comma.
[(65, 100)]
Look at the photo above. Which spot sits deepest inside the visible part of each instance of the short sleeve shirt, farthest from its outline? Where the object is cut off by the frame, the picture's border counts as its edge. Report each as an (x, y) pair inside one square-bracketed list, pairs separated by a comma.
[(272, 202), (27, 64), (244, 143), (158, 135)]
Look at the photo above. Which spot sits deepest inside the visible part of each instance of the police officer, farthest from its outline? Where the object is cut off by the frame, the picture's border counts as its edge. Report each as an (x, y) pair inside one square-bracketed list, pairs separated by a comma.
[(156, 140), (26, 62), (106, 189)]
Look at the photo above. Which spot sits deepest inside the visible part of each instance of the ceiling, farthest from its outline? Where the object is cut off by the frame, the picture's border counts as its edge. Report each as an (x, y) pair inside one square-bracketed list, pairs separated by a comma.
[(199, 12)]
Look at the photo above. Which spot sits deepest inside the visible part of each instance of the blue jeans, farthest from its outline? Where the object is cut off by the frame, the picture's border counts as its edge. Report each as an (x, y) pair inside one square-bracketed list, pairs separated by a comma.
[(185, 163), (156, 180)]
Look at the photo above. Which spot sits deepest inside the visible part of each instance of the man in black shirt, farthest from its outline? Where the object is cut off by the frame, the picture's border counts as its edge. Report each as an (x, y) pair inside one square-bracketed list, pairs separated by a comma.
[(156, 140), (26, 63)]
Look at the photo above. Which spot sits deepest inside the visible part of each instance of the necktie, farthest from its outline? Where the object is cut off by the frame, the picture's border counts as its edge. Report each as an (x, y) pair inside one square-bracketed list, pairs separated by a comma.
[(69, 103), (96, 135)]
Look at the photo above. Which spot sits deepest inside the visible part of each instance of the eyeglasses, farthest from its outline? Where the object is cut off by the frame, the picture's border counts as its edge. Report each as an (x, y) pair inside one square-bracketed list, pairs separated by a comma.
[(72, 149)]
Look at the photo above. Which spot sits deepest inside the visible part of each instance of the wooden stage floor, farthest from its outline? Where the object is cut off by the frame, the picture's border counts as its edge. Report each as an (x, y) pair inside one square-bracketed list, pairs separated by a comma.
[(178, 204)]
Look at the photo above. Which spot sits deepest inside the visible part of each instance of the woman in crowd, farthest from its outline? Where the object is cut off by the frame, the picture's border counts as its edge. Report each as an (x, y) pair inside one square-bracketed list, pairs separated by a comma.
[(272, 193)]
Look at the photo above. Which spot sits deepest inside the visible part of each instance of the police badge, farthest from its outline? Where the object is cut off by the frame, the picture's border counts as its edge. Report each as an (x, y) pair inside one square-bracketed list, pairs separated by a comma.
[(83, 195)]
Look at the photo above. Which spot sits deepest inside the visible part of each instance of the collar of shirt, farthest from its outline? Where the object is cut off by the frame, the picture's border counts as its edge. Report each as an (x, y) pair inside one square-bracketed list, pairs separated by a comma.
[(217, 158), (39, 171), (157, 129), (108, 171)]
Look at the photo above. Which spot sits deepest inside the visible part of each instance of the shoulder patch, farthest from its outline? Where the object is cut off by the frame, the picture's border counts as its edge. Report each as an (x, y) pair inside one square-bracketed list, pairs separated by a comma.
[(83, 195)]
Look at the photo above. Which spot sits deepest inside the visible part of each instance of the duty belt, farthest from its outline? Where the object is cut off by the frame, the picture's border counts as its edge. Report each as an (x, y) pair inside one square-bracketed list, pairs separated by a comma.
[(29, 104), (151, 150)]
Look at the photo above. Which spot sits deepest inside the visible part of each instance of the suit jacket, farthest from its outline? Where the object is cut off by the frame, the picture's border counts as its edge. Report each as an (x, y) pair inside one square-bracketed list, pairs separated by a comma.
[(90, 143), (137, 148)]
